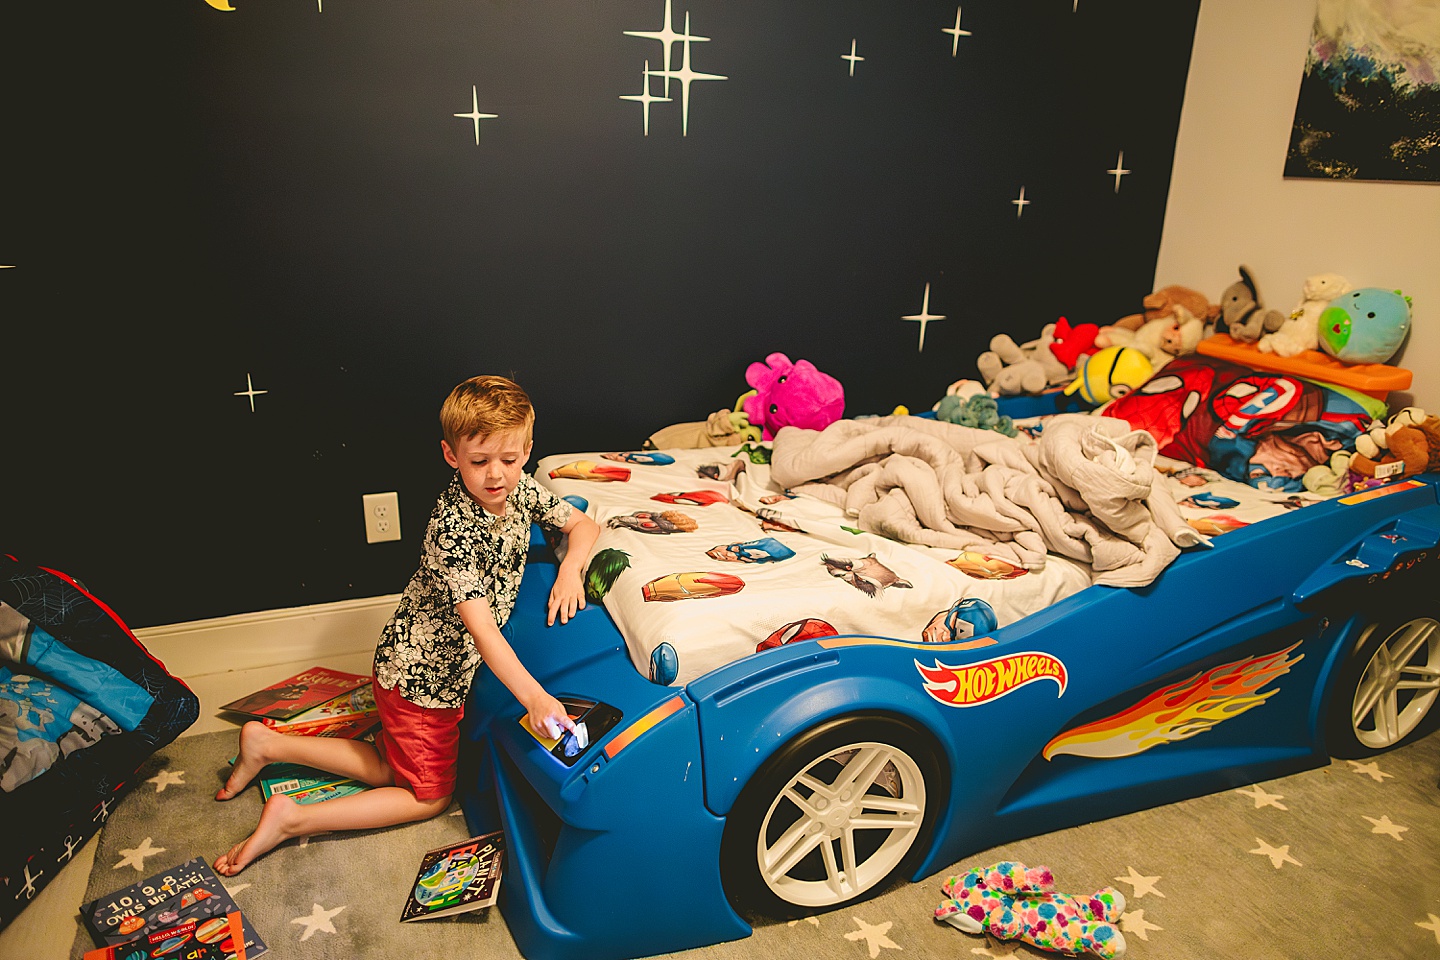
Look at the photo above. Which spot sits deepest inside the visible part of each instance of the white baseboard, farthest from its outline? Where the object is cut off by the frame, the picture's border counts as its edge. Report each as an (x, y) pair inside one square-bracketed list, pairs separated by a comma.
[(253, 640)]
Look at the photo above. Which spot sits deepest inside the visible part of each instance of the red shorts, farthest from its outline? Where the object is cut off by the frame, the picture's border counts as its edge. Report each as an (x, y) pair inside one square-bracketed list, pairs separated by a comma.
[(421, 744)]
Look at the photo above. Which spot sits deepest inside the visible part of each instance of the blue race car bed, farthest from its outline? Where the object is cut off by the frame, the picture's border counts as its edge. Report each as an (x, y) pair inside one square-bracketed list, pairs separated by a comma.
[(817, 764)]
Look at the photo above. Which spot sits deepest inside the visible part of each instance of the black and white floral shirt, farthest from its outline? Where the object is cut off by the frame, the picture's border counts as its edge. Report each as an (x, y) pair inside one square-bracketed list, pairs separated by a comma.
[(425, 650)]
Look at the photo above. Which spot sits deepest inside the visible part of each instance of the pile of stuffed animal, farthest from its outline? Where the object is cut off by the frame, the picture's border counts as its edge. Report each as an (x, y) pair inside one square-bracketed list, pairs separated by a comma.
[(1406, 444), (1365, 325)]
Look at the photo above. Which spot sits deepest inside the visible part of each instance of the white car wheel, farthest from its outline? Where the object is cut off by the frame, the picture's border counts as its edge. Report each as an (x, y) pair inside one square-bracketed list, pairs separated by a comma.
[(1397, 688), (833, 816)]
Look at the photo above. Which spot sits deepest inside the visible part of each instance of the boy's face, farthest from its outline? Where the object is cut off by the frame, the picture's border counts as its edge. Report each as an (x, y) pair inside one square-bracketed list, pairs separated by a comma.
[(489, 466)]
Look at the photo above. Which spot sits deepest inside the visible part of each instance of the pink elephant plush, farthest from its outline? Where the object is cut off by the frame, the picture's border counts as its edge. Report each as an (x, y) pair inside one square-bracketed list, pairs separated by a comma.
[(792, 395)]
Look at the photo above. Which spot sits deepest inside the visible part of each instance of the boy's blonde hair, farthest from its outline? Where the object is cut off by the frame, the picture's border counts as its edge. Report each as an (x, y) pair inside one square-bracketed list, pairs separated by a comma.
[(484, 406)]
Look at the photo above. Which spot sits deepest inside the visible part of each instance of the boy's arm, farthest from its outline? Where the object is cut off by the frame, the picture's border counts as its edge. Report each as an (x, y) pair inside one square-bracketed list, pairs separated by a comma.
[(543, 713), (568, 594)]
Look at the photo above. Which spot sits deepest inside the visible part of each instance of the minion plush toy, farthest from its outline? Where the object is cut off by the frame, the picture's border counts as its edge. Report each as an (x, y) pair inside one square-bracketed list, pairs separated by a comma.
[(1109, 374)]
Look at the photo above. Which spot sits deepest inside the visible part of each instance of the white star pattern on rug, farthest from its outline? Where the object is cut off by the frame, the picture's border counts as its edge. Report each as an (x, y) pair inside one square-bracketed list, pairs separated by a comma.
[(1142, 885), (1135, 922), (1383, 825), (167, 778), (1263, 799), (237, 888), (1007, 948), (810, 920), (1371, 770), (874, 936), (1433, 926), (1277, 855), (319, 919), (135, 856)]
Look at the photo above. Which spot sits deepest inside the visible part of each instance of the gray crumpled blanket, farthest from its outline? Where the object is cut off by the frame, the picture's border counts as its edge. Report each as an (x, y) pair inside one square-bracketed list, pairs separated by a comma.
[(1087, 489)]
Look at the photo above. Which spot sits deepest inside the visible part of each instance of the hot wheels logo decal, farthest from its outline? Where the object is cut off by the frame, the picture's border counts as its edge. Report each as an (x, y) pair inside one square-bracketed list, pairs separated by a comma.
[(977, 683)]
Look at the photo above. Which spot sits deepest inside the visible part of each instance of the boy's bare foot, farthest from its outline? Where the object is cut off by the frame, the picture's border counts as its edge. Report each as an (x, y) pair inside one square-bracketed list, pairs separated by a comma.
[(255, 738), (278, 821)]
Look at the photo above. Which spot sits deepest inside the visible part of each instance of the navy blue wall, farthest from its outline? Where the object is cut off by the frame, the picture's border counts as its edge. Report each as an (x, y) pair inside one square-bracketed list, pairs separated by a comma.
[(282, 192)]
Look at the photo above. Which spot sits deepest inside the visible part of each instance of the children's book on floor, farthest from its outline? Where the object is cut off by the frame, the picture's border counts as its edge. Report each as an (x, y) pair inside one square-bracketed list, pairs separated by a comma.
[(218, 938), (305, 784), (463, 876), (190, 892), (294, 695), (351, 715)]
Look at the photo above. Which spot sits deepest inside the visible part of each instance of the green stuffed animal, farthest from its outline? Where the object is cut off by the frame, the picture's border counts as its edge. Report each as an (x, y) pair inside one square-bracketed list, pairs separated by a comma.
[(977, 410)]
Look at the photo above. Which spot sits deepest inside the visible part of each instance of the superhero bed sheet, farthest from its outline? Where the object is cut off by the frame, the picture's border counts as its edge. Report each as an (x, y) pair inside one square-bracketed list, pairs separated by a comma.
[(706, 556)]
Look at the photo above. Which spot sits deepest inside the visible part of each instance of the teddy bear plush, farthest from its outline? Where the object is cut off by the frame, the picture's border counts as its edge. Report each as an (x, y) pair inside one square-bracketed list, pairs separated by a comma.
[(1010, 901), (1009, 368), (1407, 444), (1298, 332), (1241, 313), (1159, 305), (1166, 338)]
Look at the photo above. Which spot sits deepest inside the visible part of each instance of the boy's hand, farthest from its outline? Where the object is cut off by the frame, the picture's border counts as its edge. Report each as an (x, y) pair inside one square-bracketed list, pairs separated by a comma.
[(566, 597), (547, 718)]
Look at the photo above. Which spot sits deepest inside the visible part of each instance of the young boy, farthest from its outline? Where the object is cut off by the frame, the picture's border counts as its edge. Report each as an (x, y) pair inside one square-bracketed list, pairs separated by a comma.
[(447, 622)]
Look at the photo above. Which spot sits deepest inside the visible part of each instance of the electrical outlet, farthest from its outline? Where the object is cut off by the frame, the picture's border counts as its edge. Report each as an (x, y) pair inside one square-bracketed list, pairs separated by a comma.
[(382, 516)]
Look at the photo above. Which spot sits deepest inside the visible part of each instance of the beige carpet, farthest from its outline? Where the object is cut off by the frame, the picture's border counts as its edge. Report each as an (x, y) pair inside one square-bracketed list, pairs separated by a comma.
[(1337, 862)]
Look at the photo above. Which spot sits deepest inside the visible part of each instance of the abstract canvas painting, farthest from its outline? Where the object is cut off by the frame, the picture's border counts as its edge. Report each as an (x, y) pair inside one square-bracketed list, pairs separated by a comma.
[(1369, 103)]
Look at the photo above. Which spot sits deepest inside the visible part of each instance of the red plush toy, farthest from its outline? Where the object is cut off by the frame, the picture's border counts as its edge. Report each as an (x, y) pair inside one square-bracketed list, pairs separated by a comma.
[(1071, 343)]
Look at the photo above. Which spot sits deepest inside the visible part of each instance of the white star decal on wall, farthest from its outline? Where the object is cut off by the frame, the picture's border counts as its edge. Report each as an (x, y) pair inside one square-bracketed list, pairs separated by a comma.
[(956, 33), (1142, 884), (667, 38), (924, 317), (475, 115), (851, 57), (874, 936), (167, 778), (1263, 799), (1119, 170), (135, 856), (1020, 203), (645, 99), (1383, 825), (319, 919), (1277, 855), (250, 392), (685, 75)]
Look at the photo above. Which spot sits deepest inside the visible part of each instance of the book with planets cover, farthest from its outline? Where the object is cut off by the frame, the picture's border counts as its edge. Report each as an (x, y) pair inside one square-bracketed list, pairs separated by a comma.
[(463, 876), (168, 901)]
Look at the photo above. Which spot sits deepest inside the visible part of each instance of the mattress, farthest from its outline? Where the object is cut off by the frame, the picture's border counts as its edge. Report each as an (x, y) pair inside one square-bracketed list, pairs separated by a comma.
[(703, 560)]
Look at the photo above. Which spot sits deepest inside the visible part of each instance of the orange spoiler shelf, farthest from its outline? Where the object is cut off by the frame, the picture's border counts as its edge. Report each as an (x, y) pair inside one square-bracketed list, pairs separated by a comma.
[(1373, 379)]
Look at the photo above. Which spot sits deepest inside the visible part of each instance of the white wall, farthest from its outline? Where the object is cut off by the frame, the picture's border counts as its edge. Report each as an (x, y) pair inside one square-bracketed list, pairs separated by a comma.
[(1230, 204)]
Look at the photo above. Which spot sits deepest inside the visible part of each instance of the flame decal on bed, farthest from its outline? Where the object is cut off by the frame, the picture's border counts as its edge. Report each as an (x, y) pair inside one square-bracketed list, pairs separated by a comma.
[(977, 683), (1179, 711)]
